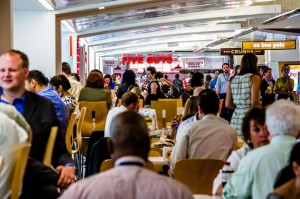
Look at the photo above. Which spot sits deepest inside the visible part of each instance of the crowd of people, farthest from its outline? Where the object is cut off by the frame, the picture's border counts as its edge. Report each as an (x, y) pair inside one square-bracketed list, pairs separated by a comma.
[(258, 109)]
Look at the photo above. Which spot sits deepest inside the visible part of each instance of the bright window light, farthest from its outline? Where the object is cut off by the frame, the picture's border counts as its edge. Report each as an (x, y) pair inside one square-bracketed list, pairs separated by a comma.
[(68, 26), (46, 4)]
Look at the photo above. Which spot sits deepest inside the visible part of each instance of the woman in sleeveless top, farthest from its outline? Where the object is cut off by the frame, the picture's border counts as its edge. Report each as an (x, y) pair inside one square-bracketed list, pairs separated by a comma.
[(153, 86), (243, 90)]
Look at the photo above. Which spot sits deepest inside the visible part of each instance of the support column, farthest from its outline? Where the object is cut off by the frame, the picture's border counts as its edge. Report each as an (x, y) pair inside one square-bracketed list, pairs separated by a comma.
[(6, 38)]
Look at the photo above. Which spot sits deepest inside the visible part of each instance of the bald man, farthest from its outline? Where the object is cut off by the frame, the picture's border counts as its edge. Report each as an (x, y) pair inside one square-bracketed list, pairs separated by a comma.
[(129, 146)]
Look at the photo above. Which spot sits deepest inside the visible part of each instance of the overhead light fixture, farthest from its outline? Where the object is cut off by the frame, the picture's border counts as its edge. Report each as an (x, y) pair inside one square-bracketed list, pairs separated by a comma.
[(68, 26), (46, 4), (283, 16), (101, 8)]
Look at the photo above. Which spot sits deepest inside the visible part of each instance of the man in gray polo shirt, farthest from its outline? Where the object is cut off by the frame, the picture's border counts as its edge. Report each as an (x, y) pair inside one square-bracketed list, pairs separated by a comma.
[(221, 89)]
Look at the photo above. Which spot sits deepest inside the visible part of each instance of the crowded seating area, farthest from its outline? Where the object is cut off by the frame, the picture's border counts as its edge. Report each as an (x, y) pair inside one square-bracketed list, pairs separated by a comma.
[(195, 146)]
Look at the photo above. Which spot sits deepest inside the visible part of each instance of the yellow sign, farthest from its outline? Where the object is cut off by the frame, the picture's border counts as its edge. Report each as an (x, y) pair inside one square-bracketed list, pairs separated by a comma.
[(268, 45)]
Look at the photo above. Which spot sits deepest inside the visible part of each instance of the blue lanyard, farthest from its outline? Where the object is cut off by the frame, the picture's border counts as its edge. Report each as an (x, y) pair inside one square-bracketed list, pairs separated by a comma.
[(131, 163)]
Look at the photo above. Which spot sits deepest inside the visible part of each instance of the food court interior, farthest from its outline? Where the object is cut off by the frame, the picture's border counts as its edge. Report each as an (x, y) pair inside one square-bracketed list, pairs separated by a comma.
[(174, 36)]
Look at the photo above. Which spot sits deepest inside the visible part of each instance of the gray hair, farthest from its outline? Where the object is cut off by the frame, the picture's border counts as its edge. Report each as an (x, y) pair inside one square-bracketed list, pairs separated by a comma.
[(282, 118)]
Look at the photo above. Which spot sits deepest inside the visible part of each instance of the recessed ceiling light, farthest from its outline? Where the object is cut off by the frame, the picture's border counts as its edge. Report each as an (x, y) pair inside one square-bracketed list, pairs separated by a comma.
[(46, 4), (101, 8)]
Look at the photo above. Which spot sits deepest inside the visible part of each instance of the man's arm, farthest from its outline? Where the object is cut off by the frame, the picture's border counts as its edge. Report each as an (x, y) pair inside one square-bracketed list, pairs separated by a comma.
[(180, 151), (218, 85)]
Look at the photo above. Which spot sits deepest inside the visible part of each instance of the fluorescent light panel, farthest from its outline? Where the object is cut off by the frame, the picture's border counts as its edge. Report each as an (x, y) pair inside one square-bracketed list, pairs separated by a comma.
[(46, 4), (68, 26)]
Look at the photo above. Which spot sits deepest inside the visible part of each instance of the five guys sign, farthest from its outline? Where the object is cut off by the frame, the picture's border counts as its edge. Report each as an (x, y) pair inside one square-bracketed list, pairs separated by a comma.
[(150, 59)]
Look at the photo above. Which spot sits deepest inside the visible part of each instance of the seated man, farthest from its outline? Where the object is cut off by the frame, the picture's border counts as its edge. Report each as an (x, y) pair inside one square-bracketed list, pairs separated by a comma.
[(130, 102), (257, 171), (37, 82), (129, 147), (40, 114), (11, 136), (206, 138)]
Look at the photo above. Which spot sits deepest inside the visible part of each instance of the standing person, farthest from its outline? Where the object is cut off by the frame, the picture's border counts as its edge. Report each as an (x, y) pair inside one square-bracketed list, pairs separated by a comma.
[(39, 112), (266, 87), (191, 73), (129, 146), (243, 90), (207, 81), (178, 83), (153, 86), (76, 86), (284, 85), (128, 79), (213, 83), (221, 89), (257, 171)]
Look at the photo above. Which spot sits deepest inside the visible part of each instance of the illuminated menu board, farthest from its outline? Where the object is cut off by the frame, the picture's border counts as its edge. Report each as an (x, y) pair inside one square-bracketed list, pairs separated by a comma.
[(268, 45)]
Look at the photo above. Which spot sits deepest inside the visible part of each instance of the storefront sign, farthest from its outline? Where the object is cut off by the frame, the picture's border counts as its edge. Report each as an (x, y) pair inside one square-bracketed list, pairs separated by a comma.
[(109, 63), (239, 51), (150, 59), (268, 45), (195, 63)]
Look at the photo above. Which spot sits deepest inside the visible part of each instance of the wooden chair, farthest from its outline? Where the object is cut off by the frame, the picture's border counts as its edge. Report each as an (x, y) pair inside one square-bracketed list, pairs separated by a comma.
[(178, 101), (69, 138), (90, 124), (198, 174), (169, 106), (108, 164), (49, 147), (20, 157), (78, 138), (1, 163), (221, 102), (155, 152)]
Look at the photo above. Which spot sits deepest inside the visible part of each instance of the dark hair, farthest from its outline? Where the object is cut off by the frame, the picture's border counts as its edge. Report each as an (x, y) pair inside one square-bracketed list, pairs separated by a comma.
[(166, 76), (94, 80), (38, 76), (249, 64), (129, 133), (256, 113), (177, 76), (22, 55), (65, 67), (285, 65), (76, 76), (208, 101), (191, 72), (96, 71), (151, 69), (128, 77), (266, 69), (197, 79), (60, 80), (129, 98), (159, 75), (208, 78), (225, 64), (165, 88), (108, 76)]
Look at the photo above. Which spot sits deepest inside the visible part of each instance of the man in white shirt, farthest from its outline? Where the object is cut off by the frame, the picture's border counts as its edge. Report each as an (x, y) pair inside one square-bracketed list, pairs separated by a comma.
[(11, 136), (207, 138), (129, 146), (130, 102), (76, 86)]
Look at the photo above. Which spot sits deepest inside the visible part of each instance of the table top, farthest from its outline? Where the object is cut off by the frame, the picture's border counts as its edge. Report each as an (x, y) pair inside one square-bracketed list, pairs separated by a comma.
[(159, 160)]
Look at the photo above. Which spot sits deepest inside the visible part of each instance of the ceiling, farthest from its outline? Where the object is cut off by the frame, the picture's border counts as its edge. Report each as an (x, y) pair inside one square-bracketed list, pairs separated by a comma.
[(115, 27)]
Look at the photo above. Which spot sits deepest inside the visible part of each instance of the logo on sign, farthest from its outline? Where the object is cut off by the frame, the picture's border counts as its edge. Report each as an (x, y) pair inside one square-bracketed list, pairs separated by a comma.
[(150, 59)]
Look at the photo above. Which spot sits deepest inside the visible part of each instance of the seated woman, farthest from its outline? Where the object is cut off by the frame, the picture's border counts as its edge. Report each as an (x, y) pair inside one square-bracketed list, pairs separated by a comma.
[(108, 82), (254, 135), (290, 189), (61, 85), (94, 90)]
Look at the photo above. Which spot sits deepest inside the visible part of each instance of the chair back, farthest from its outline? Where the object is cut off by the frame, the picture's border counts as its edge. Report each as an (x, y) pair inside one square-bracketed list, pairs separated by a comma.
[(221, 102), (95, 117), (69, 138), (169, 106), (178, 101), (49, 147), (79, 128), (198, 174), (108, 164), (20, 157), (1, 163)]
